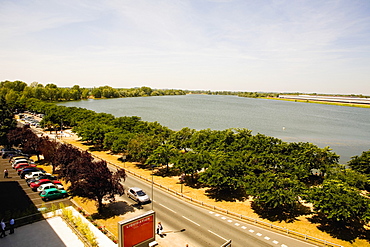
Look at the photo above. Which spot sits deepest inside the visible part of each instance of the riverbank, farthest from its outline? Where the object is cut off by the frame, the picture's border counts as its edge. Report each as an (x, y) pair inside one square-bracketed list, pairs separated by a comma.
[(301, 224)]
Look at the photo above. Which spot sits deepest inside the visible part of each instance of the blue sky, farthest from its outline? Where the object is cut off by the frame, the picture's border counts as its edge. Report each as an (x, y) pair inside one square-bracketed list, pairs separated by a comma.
[(260, 45)]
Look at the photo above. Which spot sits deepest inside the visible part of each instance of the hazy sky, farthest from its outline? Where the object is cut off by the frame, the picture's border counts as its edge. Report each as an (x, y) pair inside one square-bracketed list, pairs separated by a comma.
[(307, 46)]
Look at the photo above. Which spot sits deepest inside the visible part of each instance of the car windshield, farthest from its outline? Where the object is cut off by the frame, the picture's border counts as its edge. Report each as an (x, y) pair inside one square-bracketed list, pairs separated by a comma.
[(140, 193)]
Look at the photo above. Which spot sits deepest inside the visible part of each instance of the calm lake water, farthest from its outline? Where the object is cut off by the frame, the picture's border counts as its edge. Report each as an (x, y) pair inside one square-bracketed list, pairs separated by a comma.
[(346, 130)]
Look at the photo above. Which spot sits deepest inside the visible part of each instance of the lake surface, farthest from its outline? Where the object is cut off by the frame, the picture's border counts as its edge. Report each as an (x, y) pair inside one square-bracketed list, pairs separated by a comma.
[(346, 130)]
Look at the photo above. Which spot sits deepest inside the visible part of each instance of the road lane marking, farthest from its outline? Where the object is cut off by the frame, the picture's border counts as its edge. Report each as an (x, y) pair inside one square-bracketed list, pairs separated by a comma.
[(168, 208), (191, 221), (243, 227), (218, 235)]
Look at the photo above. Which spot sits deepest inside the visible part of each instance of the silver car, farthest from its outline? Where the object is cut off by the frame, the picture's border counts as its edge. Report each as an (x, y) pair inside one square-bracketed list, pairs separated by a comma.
[(138, 195)]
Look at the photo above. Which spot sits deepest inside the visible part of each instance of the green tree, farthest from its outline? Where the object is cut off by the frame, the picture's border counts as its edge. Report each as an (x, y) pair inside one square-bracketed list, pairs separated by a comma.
[(339, 203), (7, 122), (189, 163), (141, 147), (274, 195), (162, 155), (361, 163), (93, 132), (181, 139), (224, 174), (350, 177)]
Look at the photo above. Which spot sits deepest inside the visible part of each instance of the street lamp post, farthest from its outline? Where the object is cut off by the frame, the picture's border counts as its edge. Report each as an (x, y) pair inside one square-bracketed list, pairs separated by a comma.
[(61, 129), (152, 186)]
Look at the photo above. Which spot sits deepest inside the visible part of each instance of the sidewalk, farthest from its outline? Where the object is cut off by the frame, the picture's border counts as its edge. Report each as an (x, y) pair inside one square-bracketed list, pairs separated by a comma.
[(52, 232)]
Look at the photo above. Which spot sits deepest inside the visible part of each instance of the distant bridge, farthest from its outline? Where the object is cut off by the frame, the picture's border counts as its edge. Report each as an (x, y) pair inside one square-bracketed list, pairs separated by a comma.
[(335, 99)]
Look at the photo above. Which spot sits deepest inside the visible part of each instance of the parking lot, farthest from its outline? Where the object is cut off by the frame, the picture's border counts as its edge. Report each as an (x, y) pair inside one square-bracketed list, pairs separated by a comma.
[(16, 195)]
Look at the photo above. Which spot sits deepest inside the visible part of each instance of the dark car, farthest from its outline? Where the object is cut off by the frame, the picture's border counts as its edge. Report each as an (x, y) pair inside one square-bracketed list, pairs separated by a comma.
[(7, 154), (45, 176), (21, 169), (29, 170)]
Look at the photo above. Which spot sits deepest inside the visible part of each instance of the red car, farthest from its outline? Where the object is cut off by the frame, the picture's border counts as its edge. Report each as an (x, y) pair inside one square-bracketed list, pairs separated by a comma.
[(21, 165), (37, 183)]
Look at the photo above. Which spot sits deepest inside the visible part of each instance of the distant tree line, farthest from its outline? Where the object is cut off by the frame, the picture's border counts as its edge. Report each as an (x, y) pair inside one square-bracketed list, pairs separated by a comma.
[(17, 92)]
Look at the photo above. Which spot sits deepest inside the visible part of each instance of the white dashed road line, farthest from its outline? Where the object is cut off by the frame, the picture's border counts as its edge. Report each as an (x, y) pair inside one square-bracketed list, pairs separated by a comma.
[(243, 227), (191, 221), (218, 235), (168, 208)]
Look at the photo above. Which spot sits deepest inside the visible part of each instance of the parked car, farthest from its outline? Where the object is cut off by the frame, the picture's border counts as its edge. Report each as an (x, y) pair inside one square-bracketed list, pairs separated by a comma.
[(53, 193), (138, 195), (16, 153), (33, 174), (29, 170), (21, 161), (44, 176), (49, 186), (21, 169), (23, 165), (17, 157), (5, 150), (37, 183)]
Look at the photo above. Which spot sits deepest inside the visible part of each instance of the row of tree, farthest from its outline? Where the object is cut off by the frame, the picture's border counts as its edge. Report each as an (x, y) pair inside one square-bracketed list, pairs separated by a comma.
[(86, 177)]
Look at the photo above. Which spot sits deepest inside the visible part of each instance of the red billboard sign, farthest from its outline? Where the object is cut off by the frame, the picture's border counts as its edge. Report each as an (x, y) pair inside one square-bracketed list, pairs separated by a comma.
[(138, 230)]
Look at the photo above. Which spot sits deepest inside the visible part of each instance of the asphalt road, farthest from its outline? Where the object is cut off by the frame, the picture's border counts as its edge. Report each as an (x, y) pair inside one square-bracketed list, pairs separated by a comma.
[(204, 227)]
